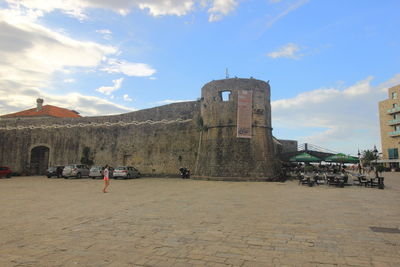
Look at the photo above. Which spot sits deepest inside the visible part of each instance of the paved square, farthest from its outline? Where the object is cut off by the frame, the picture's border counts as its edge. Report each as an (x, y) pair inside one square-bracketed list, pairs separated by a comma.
[(174, 222)]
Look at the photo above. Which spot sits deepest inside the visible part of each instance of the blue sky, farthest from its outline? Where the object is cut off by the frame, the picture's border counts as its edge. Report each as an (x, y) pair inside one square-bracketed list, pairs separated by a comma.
[(328, 62)]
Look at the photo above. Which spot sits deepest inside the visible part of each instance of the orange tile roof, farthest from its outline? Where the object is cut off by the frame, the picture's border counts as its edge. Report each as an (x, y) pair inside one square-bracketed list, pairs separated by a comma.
[(47, 110)]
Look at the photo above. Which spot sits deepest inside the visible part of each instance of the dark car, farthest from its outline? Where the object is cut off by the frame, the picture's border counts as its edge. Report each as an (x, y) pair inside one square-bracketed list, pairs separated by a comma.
[(185, 173), (54, 171), (5, 172)]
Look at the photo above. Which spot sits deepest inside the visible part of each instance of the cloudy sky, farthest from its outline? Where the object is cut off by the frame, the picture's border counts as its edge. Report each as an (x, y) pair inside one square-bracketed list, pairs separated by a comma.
[(328, 62)]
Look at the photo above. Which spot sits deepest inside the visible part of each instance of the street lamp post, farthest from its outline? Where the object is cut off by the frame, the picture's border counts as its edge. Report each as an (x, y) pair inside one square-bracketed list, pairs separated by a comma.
[(376, 161)]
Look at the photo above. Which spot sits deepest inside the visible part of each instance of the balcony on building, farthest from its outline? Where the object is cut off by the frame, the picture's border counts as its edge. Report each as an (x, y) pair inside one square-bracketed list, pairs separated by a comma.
[(394, 110), (394, 133), (393, 122)]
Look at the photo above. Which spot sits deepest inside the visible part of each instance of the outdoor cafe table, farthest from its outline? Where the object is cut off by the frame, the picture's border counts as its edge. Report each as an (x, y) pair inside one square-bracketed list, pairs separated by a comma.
[(338, 179)]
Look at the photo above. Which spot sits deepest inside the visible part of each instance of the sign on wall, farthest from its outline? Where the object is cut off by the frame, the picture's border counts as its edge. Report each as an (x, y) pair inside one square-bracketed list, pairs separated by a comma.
[(244, 113)]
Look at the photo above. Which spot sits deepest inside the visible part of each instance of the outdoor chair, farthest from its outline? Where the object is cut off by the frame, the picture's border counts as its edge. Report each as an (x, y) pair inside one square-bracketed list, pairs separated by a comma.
[(381, 184), (332, 180), (345, 178), (363, 181), (319, 179), (374, 182), (356, 181), (310, 182), (340, 181), (325, 178), (300, 177), (377, 182), (306, 180)]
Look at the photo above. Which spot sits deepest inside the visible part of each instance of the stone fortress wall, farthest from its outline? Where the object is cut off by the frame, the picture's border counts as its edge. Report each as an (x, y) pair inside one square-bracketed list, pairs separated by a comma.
[(156, 141), (222, 153), (199, 135)]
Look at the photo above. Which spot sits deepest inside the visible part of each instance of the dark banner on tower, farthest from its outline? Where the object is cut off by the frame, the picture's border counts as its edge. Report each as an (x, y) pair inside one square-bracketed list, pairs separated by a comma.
[(244, 113)]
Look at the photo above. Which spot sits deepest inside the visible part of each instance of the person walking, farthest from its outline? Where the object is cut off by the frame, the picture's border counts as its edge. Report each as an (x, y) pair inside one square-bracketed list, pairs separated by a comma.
[(106, 173)]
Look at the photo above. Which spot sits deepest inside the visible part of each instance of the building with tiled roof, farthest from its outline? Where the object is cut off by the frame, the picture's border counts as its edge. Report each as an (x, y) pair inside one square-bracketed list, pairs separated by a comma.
[(42, 112)]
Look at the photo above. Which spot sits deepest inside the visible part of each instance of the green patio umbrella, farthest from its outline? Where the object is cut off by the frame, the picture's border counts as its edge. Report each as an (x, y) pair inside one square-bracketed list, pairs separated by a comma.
[(342, 158), (305, 157)]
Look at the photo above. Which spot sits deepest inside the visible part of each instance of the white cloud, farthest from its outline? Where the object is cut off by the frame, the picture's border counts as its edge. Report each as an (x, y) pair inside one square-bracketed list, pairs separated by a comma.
[(12, 100), (78, 8), (395, 80), (167, 7), (360, 88), (107, 90), (220, 8), (30, 53), (128, 68), (288, 51), (106, 34), (31, 49), (170, 101), (104, 31), (275, 1), (37, 8), (284, 13), (127, 98), (340, 119)]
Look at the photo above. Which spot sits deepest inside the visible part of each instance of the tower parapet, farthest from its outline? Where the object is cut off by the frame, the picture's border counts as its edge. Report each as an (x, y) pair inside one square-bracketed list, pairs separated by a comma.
[(236, 142)]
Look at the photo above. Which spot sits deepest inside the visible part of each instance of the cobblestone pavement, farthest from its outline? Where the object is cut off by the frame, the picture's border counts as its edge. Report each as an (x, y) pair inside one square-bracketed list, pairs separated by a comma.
[(174, 222)]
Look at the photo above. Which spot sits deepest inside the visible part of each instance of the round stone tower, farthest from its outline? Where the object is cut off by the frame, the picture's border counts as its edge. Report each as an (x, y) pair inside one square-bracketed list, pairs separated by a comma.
[(236, 139)]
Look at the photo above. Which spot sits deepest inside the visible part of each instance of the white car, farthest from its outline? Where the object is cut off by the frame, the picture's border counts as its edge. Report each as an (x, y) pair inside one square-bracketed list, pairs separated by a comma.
[(75, 170), (96, 172), (126, 172)]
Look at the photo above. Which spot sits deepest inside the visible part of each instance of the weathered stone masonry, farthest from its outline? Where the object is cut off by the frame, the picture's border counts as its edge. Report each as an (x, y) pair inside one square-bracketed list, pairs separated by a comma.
[(222, 154), (200, 135)]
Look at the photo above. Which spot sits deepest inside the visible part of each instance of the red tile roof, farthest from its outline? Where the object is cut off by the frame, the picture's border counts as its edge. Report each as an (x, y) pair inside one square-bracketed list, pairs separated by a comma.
[(47, 110)]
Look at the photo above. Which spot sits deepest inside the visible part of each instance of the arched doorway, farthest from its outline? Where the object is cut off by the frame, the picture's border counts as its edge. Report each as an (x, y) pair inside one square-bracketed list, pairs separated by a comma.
[(39, 160)]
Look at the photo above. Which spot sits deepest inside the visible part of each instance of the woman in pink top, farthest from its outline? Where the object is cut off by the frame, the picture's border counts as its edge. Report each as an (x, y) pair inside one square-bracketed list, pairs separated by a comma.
[(106, 178)]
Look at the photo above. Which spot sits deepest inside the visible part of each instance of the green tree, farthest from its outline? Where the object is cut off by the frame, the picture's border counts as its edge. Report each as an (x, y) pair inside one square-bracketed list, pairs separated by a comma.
[(368, 157)]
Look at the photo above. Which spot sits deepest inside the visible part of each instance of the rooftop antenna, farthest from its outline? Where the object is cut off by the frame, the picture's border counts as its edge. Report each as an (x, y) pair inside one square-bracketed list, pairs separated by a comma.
[(226, 74)]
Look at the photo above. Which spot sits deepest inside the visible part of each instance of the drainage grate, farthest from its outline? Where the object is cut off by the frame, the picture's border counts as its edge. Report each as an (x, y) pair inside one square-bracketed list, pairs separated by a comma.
[(385, 230)]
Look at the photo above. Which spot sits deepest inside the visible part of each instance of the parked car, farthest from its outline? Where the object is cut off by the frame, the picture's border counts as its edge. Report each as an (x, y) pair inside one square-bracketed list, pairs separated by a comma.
[(5, 172), (75, 170), (54, 171), (110, 172), (126, 172), (96, 172)]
